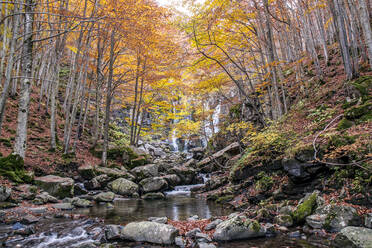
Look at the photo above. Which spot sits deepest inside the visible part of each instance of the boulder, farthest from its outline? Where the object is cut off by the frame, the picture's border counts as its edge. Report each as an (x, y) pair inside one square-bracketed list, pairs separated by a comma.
[(368, 220), (299, 171), (154, 184), (63, 206), (153, 196), (306, 207), (113, 232), (238, 227), (86, 171), (123, 187), (186, 174), (140, 161), (213, 224), (197, 152), (172, 180), (60, 187), (81, 203), (27, 191), (354, 237), (334, 218), (161, 220), (5, 193), (44, 198), (105, 197), (114, 173), (283, 220), (142, 172), (152, 232)]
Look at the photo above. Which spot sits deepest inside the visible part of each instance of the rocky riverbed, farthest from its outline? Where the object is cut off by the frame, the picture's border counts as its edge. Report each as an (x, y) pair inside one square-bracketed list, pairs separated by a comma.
[(165, 203)]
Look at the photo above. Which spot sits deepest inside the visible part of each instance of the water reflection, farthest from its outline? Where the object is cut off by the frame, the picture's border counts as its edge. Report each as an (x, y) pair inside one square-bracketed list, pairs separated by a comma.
[(175, 208)]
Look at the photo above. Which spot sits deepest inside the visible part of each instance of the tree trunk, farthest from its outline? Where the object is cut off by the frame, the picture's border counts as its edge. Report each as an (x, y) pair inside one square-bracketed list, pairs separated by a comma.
[(108, 99), (24, 100), (366, 26)]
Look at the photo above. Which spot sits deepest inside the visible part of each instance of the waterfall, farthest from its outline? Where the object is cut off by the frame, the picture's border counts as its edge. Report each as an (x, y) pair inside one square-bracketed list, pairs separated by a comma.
[(216, 118), (174, 141)]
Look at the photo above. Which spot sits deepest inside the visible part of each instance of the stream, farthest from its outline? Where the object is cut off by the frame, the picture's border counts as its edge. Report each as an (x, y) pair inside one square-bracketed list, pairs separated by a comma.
[(180, 204)]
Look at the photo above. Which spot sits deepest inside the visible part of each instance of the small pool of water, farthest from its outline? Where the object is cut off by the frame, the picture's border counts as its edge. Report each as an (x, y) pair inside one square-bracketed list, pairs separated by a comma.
[(174, 207)]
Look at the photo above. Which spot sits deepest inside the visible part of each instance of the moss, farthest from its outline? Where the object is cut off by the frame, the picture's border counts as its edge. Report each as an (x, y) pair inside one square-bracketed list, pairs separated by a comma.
[(6, 142), (137, 162), (304, 209), (359, 111), (341, 140), (225, 198), (12, 167), (363, 85), (328, 221), (344, 124), (265, 182), (255, 226)]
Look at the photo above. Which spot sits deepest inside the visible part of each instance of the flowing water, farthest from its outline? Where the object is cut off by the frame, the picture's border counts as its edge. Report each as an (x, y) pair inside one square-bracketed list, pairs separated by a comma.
[(180, 204)]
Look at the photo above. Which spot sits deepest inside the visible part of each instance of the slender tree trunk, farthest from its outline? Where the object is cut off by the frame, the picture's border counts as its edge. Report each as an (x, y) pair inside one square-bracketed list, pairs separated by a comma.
[(24, 100), (366, 26), (9, 67), (108, 99)]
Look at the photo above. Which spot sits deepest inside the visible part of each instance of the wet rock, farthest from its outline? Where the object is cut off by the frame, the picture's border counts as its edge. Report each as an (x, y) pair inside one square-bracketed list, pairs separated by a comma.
[(186, 174), (213, 224), (142, 172), (205, 245), (368, 220), (60, 187), (197, 153), (123, 187), (202, 238), (215, 182), (238, 227), (283, 220), (39, 210), (5, 205), (92, 184), (18, 226), (5, 193), (114, 173), (153, 196), (151, 232), (192, 233), (44, 198), (193, 218), (29, 219), (27, 192), (81, 203), (63, 206), (180, 242), (295, 234), (161, 220), (27, 230), (334, 218), (154, 184), (79, 189), (87, 172), (105, 197), (355, 237), (283, 229), (113, 232), (270, 230), (172, 179)]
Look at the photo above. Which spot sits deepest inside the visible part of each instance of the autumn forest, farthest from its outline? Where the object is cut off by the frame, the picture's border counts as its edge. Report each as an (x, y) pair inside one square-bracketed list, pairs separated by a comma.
[(192, 123)]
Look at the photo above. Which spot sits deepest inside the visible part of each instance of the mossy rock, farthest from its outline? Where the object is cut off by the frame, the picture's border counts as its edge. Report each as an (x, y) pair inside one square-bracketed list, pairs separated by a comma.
[(140, 161), (363, 85), (224, 199), (363, 112), (12, 167), (305, 208), (341, 140), (344, 124), (265, 182)]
